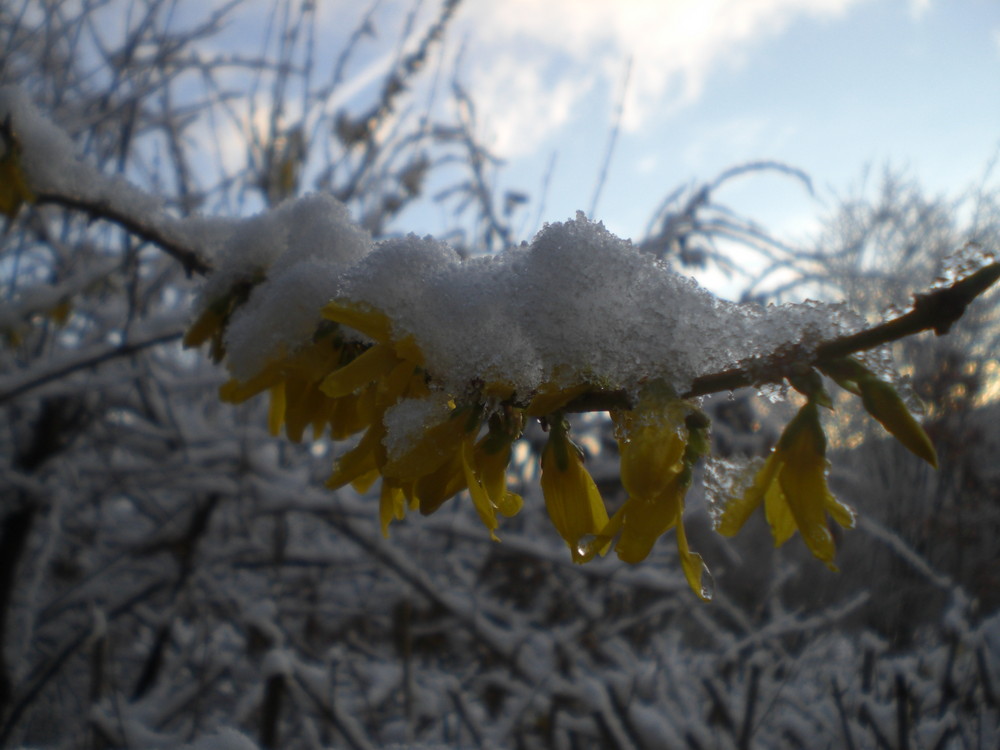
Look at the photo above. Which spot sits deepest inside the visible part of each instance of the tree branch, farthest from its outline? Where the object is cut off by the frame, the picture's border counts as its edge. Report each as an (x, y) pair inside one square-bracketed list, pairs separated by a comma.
[(935, 310), (101, 209), (13, 386)]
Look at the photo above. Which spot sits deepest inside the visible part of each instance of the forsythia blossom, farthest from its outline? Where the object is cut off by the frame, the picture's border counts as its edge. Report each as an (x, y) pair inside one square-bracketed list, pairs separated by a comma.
[(336, 382), (792, 486), (571, 496), (359, 375)]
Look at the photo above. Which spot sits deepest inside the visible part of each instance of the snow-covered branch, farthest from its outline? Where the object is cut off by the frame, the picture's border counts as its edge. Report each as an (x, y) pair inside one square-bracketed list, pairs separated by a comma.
[(440, 359)]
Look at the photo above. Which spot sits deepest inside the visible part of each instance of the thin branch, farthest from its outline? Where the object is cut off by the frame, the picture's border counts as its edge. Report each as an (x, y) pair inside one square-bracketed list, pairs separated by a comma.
[(612, 140), (91, 358), (193, 262), (936, 310)]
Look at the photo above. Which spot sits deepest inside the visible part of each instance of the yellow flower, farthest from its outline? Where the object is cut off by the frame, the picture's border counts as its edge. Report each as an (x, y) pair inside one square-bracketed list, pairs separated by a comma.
[(651, 441), (490, 462), (484, 465), (792, 485), (392, 505), (480, 497), (657, 453), (432, 490), (361, 463), (447, 459), (438, 443), (883, 402), (571, 496), (294, 383)]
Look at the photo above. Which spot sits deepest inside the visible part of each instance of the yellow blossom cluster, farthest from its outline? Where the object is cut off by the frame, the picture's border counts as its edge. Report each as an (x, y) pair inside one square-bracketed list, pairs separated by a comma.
[(337, 383), (792, 483), (792, 486), (357, 368)]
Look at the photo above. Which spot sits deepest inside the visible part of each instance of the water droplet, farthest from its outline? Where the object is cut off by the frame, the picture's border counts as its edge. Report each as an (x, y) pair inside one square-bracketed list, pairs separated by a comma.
[(707, 584), (773, 392)]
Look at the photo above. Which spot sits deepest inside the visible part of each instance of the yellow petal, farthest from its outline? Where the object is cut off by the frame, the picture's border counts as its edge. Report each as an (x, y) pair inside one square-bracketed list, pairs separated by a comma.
[(350, 414), (803, 483), (394, 385), (361, 318), (571, 497), (366, 368), (841, 513), (303, 403), (436, 445), (203, 328), (276, 414), (651, 447), (391, 506), (491, 468), (480, 498), (363, 483), (433, 489), (358, 461), (407, 348), (695, 570), (779, 515), (883, 402), (315, 360), (646, 521), (601, 542), (236, 392), (738, 510)]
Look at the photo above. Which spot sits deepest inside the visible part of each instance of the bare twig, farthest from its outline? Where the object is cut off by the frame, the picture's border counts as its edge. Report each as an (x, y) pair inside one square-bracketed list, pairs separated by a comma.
[(190, 259), (936, 310), (13, 386), (602, 176)]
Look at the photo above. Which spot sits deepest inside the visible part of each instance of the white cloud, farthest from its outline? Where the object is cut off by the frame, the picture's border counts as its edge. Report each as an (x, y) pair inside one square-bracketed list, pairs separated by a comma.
[(558, 50), (519, 107), (919, 8)]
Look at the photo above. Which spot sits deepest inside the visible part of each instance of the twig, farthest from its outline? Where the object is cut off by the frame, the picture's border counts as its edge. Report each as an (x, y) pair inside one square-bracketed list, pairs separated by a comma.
[(14, 535), (192, 262), (902, 713), (64, 368), (602, 176), (746, 730), (844, 722), (936, 310)]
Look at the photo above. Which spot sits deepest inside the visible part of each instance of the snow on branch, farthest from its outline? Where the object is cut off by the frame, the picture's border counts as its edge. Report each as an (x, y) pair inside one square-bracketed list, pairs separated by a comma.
[(439, 361)]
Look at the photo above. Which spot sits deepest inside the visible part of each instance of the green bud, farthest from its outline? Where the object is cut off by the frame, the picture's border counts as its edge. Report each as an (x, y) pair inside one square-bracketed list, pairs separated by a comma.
[(883, 402)]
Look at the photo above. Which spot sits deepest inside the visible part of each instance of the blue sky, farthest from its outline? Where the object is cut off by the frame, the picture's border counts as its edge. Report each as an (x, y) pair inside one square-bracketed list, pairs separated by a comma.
[(827, 86)]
